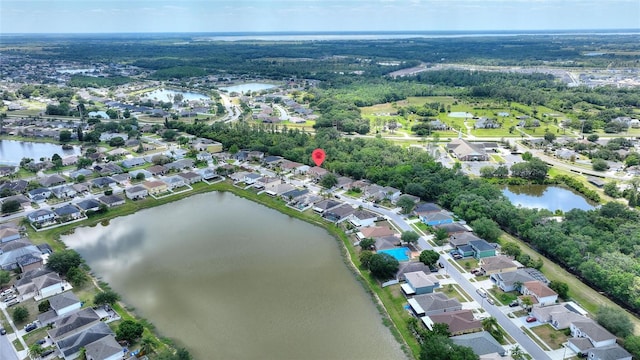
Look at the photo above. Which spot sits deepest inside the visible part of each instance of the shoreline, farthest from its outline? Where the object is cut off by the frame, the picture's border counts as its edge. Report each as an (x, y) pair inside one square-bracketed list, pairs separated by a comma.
[(347, 252)]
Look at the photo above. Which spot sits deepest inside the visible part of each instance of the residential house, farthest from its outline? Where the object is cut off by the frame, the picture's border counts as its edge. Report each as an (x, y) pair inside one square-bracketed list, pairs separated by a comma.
[(41, 216), (82, 188), (251, 178), (373, 232), (106, 348), (65, 303), (434, 303), (486, 123), (612, 352), (541, 292), (317, 172), (272, 161), (108, 169), (204, 156), (513, 280), (256, 156), (7, 170), (121, 179), (453, 228), (89, 205), (134, 173), (344, 182), (40, 282), (68, 212), (418, 283), (52, 180), (459, 322), (39, 195), (460, 239), (29, 261), (156, 187), (103, 182), (83, 172), (73, 323), (280, 189), (133, 162), (598, 336), (63, 192), (190, 177), (324, 205), (156, 170), (267, 182), (207, 174), (339, 213), (181, 164), (409, 267), (202, 144), (294, 194), (467, 151), (426, 208), (111, 200), (174, 182), (12, 251), (363, 218), (497, 264), (482, 343), (438, 218), (482, 249), (559, 316), (16, 186), (136, 192), (9, 232)]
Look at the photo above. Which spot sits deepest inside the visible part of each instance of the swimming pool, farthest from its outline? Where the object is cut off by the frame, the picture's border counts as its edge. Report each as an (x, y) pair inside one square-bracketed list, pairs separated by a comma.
[(401, 254)]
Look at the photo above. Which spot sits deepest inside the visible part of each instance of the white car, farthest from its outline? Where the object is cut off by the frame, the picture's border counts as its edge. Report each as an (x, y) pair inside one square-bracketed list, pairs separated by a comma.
[(7, 292)]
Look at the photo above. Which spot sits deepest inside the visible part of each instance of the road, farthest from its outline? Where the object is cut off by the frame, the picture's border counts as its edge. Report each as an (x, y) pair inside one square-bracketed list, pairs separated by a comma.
[(510, 328), (283, 112), (233, 111)]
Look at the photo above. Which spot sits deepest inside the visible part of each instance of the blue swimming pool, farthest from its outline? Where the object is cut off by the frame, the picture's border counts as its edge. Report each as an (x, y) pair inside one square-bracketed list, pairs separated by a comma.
[(401, 254)]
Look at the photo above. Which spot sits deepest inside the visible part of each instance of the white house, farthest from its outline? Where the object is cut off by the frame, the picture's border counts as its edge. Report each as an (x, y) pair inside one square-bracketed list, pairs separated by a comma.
[(65, 303), (541, 292), (596, 334), (136, 192)]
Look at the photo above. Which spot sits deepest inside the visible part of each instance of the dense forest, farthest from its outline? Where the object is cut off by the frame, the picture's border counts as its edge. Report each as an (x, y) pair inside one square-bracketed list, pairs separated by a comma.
[(602, 246)]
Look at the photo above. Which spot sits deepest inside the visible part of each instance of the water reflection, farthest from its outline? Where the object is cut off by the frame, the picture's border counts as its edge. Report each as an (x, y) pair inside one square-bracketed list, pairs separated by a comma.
[(546, 197)]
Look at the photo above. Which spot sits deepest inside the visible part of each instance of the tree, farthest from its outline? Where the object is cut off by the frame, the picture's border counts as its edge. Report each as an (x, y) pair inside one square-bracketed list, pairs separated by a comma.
[(409, 237), (35, 350), (76, 276), (383, 266), (549, 137), (487, 171), (527, 156), (441, 234), (367, 244), (129, 330), (44, 306), (83, 353), (140, 176), (527, 302), (599, 165), (233, 149), (614, 320), (517, 353), (512, 249), (632, 344), (593, 137), (5, 277), (561, 288), (20, 314), (62, 261), (486, 229), (365, 258), (106, 297), (10, 206), (328, 181), (429, 257), (611, 189), (148, 344), (117, 141), (83, 162), (406, 204), (65, 136), (169, 134)]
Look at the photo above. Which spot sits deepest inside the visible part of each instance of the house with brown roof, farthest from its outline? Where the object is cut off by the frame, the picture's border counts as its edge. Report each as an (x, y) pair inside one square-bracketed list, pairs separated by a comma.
[(497, 264), (459, 322), (541, 292), (155, 187), (467, 151), (190, 177), (157, 170), (375, 232)]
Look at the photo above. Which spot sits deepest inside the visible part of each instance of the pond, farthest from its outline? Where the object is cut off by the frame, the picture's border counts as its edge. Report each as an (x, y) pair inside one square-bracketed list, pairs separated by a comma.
[(12, 151), (460, 114), (546, 197), (243, 88), (230, 279), (167, 95)]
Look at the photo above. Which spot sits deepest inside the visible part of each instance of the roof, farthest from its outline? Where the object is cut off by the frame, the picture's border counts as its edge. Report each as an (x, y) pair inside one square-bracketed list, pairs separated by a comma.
[(69, 323), (581, 343), (72, 343), (66, 210), (364, 214), (539, 289), (594, 331), (511, 277), (103, 348), (61, 301), (464, 148), (110, 199), (458, 321), (436, 302), (376, 231), (189, 175), (103, 181), (154, 184), (559, 315), (419, 279), (481, 245), (481, 343), (462, 238), (88, 204), (411, 266), (52, 180), (494, 263), (437, 216), (453, 228), (386, 242), (612, 352), (327, 204)]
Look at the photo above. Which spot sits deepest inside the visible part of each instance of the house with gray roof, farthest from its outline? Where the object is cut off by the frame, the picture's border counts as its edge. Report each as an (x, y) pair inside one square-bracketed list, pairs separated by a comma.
[(419, 282), (437, 218), (190, 177), (41, 216), (467, 151), (174, 182), (29, 261), (461, 239), (12, 251), (453, 228), (133, 162), (63, 192), (459, 322), (482, 343), (68, 212), (121, 178), (111, 200), (612, 352), (39, 195), (339, 213), (52, 180), (134, 173), (89, 205), (559, 316), (363, 218), (207, 173), (507, 281), (326, 204), (73, 323), (106, 348), (9, 232), (65, 303), (102, 182), (409, 267), (596, 334), (40, 282), (497, 264), (71, 345), (180, 164), (482, 249), (136, 192), (83, 172), (387, 242), (434, 303)]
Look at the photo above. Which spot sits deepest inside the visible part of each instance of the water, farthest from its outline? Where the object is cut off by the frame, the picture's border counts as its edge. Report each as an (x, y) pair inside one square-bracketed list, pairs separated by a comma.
[(460, 114), (167, 95), (12, 151), (546, 197), (243, 88), (230, 279), (401, 254)]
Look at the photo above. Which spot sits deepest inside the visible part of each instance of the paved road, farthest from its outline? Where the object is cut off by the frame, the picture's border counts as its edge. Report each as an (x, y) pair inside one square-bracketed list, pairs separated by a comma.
[(283, 112), (514, 331)]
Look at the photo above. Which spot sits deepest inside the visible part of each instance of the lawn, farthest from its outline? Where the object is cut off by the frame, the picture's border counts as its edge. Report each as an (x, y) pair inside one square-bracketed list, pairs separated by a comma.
[(454, 291), (503, 297), (551, 336), (497, 158), (468, 263)]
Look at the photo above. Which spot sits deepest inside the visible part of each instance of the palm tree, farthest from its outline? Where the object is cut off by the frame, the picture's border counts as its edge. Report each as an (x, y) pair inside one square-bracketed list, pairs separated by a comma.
[(35, 350), (147, 344), (83, 353), (490, 323), (517, 353)]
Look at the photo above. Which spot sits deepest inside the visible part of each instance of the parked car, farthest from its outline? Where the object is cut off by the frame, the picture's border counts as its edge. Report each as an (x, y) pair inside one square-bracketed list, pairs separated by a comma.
[(30, 327), (47, 353), (12, 302), (441, 265), (475, 271), (7, 292), (490, 301), (2, 331), (513, 304), (10, 297), (531, 319), (482, 293), (41, 341)]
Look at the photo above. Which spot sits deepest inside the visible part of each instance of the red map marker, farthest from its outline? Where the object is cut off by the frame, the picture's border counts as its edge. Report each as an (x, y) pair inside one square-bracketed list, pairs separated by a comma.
[(318, 156)]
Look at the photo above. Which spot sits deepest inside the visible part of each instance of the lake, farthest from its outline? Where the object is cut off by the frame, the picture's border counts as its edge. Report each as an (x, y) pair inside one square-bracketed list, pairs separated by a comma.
[(167, 95), (12, 151), (546, 197), (243, 88), (231, 279)]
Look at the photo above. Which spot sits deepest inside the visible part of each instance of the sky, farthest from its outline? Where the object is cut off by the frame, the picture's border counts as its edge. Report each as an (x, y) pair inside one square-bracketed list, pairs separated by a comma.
[(109, 16)]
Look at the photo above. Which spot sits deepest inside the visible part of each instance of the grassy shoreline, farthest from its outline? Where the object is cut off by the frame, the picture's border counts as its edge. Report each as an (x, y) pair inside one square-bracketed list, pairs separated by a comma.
[(391, 317)]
